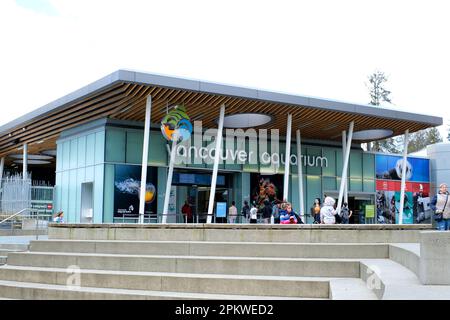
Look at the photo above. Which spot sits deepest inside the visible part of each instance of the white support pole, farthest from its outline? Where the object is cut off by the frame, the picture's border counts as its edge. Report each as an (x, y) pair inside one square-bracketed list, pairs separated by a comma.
[(345, 167), (287, 158), (173, 153), (25, 162), (148, 109), (403, 185), (2, 167), (216, 164), (300, 176), (344, 144)]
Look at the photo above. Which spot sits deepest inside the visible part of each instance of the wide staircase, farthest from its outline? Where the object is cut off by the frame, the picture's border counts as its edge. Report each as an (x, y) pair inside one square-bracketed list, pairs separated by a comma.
[(215, 262)]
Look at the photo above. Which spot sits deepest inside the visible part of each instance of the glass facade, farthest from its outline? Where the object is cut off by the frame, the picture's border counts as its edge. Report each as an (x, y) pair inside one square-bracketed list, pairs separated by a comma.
[(92, 155)]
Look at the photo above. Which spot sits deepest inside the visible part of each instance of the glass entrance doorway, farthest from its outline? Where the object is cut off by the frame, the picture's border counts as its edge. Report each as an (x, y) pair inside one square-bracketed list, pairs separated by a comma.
[(198, 199), (357, 204), (194, 188)]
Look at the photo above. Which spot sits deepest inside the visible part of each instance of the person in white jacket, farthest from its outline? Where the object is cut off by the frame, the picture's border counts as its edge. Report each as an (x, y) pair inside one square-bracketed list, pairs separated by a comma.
[(327, 212)]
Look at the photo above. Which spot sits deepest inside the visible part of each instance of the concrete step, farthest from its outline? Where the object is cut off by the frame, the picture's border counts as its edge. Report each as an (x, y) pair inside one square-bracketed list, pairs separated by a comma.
[(350, 289), (305, 287), (206, 248), (391, 281), (406, 254), (3, 260), (241, 233), (14, 246), (4, 252), (37, 291), (191, 264)]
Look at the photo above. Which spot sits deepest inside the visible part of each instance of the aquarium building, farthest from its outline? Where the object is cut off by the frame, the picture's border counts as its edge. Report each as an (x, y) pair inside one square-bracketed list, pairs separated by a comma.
[(133, 133)]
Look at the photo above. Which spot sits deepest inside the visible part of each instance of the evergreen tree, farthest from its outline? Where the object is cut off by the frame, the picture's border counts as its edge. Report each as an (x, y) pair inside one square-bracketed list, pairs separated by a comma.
[(378, 94), (421, 139)]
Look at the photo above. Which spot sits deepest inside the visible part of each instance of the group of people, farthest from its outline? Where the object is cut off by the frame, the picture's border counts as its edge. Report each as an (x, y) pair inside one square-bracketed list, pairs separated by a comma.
[(271, 213), (326, 213)]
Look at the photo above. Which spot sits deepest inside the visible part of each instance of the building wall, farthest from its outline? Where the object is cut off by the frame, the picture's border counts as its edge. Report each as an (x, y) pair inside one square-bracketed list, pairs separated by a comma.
[(439, 165), (80, 159), (91, 155)]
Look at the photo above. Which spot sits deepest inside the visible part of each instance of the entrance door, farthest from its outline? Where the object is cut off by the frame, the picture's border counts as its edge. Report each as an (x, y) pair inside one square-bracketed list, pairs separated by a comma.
[(357, 204), (203, 193), (87, 202)]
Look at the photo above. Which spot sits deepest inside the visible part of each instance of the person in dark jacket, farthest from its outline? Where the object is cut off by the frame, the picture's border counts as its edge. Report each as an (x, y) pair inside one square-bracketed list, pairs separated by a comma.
[(245, 212), (266, 211), (315, 210)]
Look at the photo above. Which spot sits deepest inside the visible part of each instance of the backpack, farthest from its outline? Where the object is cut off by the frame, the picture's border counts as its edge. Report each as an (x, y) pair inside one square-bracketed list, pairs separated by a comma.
[(338, 218)]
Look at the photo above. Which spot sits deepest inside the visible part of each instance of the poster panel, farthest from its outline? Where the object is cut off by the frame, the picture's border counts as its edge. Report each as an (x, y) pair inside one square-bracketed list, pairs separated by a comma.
[(127, 185), (388, 187)]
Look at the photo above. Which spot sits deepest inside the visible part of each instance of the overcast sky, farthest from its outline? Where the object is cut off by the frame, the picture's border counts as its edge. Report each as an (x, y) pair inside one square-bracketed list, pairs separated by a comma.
[(318, 48)]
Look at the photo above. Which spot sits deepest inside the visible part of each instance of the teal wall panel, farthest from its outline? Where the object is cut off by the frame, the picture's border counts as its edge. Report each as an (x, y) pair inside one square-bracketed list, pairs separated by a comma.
[(108, 204), (99, 147), (73, 154), (90, 149), (65, 155), (72, 190), (98, 193), (81, 152)]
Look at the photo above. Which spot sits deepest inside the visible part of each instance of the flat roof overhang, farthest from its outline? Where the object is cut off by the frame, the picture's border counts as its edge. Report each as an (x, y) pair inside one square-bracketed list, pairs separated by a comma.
[(122, 95)]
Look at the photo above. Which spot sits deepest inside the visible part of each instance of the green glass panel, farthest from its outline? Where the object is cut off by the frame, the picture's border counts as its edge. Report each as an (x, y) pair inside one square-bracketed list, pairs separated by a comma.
[(368, 185), (157, 153), (368, 166), (313, 190), (329, 170), (339, 163), (355, 185), (115, 145), (134, 144), (329, 183), (355, 165), (248, 167), (311, 153)]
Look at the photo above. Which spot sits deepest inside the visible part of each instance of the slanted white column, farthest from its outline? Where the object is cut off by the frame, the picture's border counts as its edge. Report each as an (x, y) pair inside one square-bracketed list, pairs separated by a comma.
[(2, 168), (148, 109), (173, 153), (216, 164), (25, 161), (345, 167), (403, 185), (344, 144), (300, 176), (287, 158)]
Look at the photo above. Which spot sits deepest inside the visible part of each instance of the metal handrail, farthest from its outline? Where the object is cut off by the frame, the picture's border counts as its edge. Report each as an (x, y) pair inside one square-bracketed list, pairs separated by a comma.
[(12, 216)]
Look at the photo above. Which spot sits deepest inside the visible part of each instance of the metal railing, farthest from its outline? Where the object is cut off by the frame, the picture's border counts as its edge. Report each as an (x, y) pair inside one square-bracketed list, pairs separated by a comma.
[(31, 223)]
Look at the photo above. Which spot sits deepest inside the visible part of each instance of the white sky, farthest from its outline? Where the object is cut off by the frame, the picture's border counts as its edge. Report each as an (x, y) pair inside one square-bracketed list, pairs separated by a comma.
[(49, 48)]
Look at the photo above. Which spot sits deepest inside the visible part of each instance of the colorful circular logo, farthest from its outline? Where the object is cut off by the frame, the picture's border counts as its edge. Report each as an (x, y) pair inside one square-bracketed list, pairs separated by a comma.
[(175, 126)]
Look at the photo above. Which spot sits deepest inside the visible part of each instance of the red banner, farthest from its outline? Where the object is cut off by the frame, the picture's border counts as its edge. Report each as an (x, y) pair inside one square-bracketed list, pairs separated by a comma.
[(395, 185)]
